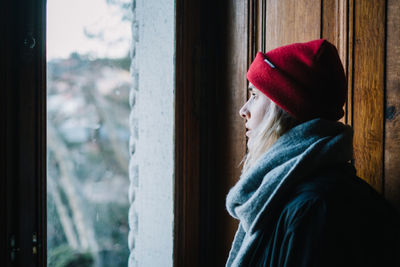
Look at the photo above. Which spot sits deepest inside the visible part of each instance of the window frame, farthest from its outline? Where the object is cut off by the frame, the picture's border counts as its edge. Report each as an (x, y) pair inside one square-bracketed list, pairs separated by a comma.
[(23, 135)]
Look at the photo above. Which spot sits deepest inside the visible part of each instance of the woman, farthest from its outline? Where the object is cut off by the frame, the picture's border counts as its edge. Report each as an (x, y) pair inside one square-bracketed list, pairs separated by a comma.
[(299, 201)]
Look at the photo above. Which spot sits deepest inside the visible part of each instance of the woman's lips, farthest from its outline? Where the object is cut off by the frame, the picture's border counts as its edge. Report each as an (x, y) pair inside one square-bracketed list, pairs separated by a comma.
[(248, 133)]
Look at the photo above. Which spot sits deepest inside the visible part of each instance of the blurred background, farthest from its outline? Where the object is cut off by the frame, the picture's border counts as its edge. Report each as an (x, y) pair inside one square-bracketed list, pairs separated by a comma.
[(88, 84)]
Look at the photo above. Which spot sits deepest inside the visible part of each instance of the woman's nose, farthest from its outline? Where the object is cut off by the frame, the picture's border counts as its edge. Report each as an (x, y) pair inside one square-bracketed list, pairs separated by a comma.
[(244, 112)]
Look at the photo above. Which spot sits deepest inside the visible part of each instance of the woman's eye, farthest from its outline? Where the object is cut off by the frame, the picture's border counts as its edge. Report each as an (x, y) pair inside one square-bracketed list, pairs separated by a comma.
[(253, 95)]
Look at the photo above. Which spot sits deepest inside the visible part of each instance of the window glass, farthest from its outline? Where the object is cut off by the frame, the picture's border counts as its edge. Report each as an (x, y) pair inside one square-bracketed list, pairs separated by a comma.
[(88, 84)]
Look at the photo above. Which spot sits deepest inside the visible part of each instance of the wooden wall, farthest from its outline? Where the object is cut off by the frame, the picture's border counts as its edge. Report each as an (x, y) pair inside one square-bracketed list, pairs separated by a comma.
[(231, 132), (366, 34), (368, 89), (215, 46), (391, 155)]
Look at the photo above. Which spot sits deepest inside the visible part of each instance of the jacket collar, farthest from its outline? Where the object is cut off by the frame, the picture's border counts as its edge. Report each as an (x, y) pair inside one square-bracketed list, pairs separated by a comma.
[(302, 152)]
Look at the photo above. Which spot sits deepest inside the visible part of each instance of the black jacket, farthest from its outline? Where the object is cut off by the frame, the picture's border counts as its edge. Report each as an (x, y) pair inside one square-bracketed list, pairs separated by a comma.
[(331, 221)]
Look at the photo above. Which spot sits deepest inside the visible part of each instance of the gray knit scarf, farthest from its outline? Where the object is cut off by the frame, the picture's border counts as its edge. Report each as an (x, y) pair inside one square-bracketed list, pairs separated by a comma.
[(306, 150)]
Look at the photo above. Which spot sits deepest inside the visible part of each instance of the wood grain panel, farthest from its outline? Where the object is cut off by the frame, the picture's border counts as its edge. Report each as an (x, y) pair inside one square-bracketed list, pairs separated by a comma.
[(232, 94), (187, 136), (292, 21), (334, 29), (350, 62), (252, 31), (261, 17), (392, 118), (256, 28), (368, 104), (334, 25)]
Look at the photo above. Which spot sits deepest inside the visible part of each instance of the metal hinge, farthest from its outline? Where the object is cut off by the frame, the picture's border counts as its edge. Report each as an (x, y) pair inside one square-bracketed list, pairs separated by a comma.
[(13, 248), (34, 244)]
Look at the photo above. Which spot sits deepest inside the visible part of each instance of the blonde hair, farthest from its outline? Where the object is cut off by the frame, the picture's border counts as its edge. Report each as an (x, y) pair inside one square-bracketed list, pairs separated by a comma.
[(275, 123)]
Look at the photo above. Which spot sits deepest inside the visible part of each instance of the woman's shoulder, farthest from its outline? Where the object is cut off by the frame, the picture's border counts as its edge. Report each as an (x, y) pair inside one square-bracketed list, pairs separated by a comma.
[(337, 183), (345, 204), (337, 214)]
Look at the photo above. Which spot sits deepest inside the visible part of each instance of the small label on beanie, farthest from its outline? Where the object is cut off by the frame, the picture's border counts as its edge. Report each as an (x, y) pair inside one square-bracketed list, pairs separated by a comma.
[(269, 63)]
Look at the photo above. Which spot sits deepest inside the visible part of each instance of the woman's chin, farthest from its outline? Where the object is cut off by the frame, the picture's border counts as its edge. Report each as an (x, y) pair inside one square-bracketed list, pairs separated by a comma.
[(249, 142)]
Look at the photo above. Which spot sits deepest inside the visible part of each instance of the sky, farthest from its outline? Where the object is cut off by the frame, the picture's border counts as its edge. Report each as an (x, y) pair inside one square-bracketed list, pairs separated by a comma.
[(67, 19)]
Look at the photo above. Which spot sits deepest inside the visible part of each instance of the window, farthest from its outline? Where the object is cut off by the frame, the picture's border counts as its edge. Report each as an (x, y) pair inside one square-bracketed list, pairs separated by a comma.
[(99, 104), (88, 85)]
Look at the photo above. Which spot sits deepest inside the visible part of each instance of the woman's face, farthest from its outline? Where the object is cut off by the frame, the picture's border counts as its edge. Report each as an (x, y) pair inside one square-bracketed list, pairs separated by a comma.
[(254, 110)]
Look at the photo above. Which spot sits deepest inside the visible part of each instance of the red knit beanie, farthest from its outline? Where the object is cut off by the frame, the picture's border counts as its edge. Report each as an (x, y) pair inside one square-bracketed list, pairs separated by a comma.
[(305, 79)]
